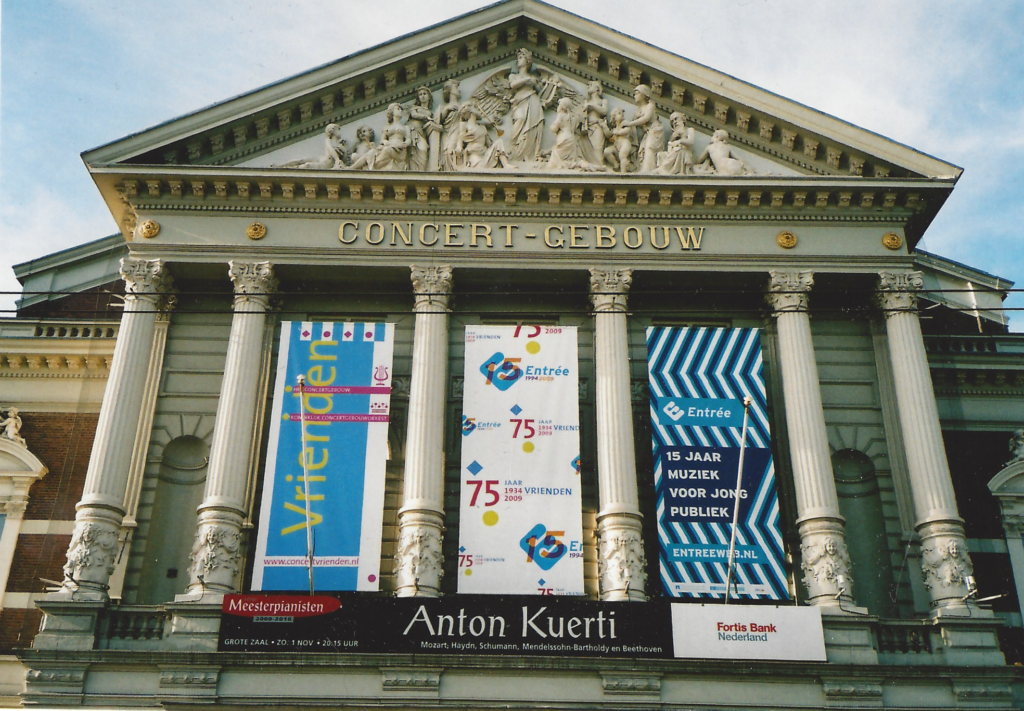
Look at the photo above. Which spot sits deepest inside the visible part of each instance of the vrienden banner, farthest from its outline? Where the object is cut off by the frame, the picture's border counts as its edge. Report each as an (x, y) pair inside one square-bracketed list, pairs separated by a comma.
[(520, 525), (698, 380), (347, 402)]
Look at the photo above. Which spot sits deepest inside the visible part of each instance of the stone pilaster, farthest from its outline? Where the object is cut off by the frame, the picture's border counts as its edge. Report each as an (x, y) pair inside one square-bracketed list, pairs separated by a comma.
[(421, 518), (822, 540), (944, 558), (217, 552), (94, 543), (621, 565)]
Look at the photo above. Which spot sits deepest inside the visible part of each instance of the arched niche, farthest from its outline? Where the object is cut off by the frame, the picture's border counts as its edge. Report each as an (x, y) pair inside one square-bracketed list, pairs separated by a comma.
[(1008, 487), (860, 502), (19, 470)]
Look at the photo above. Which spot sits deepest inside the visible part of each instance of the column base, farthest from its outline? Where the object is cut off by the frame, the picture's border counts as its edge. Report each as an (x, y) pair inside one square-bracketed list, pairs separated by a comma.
[(849, 638), (418, 560), (69, 624), (92, 553), (195, 626), (622, 567), (970, 636)]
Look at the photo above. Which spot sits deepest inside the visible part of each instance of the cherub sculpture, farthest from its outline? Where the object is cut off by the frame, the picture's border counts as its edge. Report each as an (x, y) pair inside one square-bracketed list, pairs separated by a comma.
[(1017, 446), (12, 427)]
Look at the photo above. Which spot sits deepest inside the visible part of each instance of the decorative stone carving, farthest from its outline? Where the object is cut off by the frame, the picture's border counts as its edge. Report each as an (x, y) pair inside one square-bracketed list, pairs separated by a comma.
[(677, 159), (253, 281), (147, 280), (93, 549), (890, 240), (189, 678), (149, 229), (638, 684), (608, 288), (11, 425), (432, 285), (786, 239), (787, 289), (216, 549), (336, 153), (418, 563), (620, 559), (256, 231), (645, 122), (410, 679), (897, 291), (824, 560), (944, 561), (1016, 446), (719, 159)]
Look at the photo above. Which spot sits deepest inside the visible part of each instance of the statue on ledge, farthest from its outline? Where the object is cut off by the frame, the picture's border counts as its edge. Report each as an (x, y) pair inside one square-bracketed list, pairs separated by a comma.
[(718, 158), (12, 427)]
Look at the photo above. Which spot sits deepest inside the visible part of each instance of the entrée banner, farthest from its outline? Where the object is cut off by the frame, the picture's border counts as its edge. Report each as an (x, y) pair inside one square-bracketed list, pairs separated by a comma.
[(524, 625)]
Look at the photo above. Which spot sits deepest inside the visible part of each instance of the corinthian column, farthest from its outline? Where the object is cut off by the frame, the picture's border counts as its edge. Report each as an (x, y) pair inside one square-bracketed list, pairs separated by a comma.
[(621, 565), (822, 542), (421, 518), (944, 559), (217, 550), (94, 544)]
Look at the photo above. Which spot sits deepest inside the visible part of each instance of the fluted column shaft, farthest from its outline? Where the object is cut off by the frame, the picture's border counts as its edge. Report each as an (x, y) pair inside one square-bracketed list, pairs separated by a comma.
[(94, 543), (822, 540), (217, 551), (621, 562), (944, 558), (421, 518)]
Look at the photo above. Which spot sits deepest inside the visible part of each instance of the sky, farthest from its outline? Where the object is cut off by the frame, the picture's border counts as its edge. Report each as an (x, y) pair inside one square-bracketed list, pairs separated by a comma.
[(943, 76)]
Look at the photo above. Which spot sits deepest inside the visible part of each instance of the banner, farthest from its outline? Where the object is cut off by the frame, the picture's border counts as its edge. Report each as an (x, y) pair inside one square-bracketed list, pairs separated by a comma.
[(521, 525), (347, 369), (523, 626), (698, 379)]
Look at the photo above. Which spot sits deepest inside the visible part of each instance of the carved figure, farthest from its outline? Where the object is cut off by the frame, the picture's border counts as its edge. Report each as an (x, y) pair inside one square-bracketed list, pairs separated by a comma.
[(568, 153), (623, 145), (1016, 446), (336, 155), (393, 153), (595, 125), (365, 153), (647, 123), (678, 158), (718, 157), (215, 548), (92, 548), (526, 92), (447, 119), (421, 124), (474, 147), (944, 563), (823, 562), (12, 427)]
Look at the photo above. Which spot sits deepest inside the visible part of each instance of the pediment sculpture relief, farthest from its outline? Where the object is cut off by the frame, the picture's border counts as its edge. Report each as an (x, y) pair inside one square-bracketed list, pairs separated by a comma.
[(503, 124)]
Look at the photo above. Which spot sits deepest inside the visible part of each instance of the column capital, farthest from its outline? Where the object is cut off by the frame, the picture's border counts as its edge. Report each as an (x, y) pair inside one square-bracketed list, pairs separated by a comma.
[(254, 281), (149, 280), (609, 287), (788, 288), (432, 287), (897, 291)]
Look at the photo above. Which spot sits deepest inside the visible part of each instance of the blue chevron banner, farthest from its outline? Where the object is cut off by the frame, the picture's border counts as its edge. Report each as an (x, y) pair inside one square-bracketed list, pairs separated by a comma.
[(698, 379)]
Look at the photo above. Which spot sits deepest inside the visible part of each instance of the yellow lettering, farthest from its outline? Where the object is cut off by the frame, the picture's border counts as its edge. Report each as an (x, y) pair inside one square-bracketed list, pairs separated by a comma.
[(341, 232), (369, 233), (314, 519), (310, 437), (639, 237), (547, 237), (575, 237), (396, 227), (690, 239), (423, 232), (313, 355), (449, 235), (300, 495), (306, 459), (315, 376), (605, 236), (307, 398), (654, 237), (480, 231), (508, 233)]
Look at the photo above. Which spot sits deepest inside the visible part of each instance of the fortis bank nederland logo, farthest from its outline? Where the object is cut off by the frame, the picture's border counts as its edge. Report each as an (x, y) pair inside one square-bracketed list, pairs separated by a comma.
[(501, 372), (543, 547)]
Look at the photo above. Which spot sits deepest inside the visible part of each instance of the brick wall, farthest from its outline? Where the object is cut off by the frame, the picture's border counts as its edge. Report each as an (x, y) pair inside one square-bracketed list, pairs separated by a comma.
[(97, 303)]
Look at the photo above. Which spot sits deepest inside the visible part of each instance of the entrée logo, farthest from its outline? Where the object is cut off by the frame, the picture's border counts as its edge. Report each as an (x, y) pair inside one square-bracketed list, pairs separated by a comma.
[(543, 546), (501, 372)]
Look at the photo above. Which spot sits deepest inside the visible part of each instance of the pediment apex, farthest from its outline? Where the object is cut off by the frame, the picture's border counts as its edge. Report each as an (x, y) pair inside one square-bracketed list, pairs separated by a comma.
[(238, 131)]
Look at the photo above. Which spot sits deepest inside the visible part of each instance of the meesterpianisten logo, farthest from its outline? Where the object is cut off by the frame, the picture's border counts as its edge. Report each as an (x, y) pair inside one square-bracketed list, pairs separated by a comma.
[(543, 547), (501, 372), (468, 425)]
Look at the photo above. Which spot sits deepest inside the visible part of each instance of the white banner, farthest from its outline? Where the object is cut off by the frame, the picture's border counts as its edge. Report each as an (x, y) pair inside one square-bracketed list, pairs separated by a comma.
[(748, 632), (521, 527)]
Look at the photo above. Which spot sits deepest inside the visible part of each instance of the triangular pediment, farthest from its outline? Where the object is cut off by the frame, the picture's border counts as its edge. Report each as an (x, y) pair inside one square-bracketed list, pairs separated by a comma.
[(286, 122)]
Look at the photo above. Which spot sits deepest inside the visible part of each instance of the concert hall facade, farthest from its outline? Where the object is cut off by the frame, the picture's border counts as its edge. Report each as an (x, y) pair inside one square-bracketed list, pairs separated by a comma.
[(623, 385)]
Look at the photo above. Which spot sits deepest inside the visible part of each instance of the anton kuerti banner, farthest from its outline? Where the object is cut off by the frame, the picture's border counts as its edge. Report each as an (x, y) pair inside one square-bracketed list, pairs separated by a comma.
[(520, 525), (347, 398), (698, 379)]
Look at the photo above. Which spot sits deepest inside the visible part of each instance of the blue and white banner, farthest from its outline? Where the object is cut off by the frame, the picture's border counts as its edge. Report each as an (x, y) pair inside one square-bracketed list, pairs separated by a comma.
[(698, 379), (347, 398), (521, 525)]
